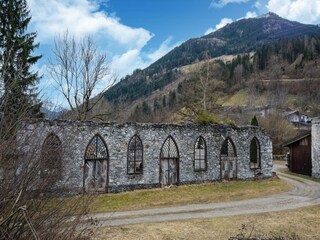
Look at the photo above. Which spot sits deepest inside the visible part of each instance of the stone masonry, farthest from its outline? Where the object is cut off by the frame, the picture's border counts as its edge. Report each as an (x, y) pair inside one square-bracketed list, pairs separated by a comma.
[(75, 137), (315, 147)]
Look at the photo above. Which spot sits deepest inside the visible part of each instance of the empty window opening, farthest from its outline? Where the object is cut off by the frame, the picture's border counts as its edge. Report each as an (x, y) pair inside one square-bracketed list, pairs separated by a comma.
[(255, 162)]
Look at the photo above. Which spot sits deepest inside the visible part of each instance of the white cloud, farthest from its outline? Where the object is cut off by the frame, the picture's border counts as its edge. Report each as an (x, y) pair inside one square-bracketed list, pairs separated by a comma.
[(221, 24), (222, 3), (162, 50), (82, 17), (127, 62), (225, 21), (209, 30), (123, 44), (305, 11), (251, 15)]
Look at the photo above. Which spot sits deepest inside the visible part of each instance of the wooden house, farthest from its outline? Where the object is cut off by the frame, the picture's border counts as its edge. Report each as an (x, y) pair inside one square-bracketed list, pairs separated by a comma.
[(299, 157)]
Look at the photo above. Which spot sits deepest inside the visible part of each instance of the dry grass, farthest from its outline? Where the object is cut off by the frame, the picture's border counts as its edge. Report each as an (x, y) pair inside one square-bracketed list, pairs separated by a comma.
[(242, 97), (200, 193), (304, 222), (287, 171)]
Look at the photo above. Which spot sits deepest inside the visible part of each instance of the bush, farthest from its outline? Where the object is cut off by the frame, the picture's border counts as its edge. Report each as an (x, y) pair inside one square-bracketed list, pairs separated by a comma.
[(205, 118), (229, 121)]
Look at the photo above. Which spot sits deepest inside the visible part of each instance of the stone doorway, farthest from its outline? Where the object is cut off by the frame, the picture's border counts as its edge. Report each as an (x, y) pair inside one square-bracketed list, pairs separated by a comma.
[(95, 176), (228, 160), (169, 163)]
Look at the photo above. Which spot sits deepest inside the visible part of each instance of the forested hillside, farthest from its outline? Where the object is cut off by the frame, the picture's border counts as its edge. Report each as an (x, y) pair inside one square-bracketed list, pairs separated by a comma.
[(263, 66), (264, 73), (242, 36)]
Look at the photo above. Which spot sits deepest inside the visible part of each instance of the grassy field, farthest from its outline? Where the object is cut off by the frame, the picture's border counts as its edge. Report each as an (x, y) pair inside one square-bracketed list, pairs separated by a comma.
[(298, 224), (242, 97), (303, 223), (199, 193)]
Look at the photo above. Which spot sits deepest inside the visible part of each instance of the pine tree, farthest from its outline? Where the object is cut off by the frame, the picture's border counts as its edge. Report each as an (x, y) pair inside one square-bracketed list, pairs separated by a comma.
[(254, 121), (19, 82)]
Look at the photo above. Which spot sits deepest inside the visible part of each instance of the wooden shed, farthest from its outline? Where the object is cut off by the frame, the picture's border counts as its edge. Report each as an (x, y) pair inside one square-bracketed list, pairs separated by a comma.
[(299, 158)]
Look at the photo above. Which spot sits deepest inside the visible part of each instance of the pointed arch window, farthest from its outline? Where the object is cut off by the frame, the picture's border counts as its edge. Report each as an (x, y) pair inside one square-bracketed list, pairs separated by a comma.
[(96, 165), (228, 160), (255, 161), (200, 155), (169, 163), (169, 149), (96, 149), (50, 161), (135, 155), (228, 149)]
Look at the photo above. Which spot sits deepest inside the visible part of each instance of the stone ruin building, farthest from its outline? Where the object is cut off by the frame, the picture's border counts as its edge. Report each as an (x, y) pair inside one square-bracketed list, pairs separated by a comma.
[(110, 157)]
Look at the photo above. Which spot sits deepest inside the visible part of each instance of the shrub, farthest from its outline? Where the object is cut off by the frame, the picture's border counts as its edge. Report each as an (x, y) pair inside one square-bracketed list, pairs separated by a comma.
[(205, 118)]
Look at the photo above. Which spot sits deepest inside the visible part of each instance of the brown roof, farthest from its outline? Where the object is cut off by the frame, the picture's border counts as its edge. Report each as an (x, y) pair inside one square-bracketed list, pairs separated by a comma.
[(300, 136)]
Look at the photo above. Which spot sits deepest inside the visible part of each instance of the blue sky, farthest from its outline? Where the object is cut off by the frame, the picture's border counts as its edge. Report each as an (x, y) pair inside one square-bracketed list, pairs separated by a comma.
[(135, 33)]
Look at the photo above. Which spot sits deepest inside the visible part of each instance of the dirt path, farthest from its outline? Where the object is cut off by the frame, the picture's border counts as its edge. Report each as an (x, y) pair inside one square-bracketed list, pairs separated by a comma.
[(305, 193)]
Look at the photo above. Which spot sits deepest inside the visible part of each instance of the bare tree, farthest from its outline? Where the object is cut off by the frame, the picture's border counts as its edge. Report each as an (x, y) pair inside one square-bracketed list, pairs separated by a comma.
[(78, 68), (210, 84), (278, 129), (29, 177), (238, 74), (204, 76)]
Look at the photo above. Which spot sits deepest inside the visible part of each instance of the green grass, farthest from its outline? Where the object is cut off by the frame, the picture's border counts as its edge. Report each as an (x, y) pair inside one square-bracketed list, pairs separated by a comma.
[(191, 194)]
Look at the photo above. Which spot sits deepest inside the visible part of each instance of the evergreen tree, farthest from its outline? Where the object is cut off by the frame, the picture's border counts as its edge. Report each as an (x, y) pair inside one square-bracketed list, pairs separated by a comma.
[(254, 121), (253, 153), (19, 96)]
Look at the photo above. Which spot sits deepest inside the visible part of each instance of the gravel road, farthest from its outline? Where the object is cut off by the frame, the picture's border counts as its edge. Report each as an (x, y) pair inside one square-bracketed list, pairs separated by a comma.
[(304, 193)]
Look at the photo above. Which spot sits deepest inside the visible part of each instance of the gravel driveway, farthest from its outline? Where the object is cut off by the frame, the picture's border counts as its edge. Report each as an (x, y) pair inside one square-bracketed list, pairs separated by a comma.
[(304, 193)]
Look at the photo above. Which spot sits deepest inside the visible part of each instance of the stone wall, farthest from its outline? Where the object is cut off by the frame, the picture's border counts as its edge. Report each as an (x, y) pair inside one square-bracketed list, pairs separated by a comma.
[(75, 137), (315, 147)]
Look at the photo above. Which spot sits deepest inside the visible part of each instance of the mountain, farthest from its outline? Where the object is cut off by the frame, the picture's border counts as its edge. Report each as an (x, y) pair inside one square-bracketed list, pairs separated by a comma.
[(242, 36), (52, 114)]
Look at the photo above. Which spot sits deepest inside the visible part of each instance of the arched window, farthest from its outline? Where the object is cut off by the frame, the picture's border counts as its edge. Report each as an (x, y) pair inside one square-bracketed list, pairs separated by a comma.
[(200, 155), (50, 161), (255, 162), (228, 160), (135, 155), (228, 148), (169, 162), (96, 149), (96, 165), (169, 149)]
